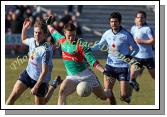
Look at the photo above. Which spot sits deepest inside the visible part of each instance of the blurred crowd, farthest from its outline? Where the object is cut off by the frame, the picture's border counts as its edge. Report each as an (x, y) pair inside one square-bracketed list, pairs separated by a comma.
[(15, 15)]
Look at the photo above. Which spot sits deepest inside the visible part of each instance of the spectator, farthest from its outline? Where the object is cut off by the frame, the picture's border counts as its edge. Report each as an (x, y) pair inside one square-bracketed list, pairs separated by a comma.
[(16, 24), (77, 24), (8, 20), (78, 10)]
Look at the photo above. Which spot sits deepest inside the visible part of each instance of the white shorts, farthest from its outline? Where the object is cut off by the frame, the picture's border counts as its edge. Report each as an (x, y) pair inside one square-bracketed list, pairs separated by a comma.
[(87, 75)]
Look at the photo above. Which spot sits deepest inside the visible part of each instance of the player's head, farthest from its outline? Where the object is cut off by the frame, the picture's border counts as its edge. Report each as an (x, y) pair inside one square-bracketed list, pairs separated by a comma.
[(115, 20), (140, 18), (70, 32), (40, 30)]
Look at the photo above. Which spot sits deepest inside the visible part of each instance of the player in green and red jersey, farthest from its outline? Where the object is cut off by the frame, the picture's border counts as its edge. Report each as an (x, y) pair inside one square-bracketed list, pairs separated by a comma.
[(76, 54)]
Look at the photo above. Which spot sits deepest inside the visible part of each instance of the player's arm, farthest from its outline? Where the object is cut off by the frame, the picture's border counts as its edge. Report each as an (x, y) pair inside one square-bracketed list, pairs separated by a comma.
[(134, 48), (95, 63), (45, 65), (26, 26), (34, 90), (55, 34), (98, 45), (88, 54), (149, 41)]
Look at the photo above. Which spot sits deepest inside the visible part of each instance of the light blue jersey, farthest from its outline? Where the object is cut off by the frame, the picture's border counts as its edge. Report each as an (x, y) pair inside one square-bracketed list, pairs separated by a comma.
[(144, 33), (38, 56), (117, 43)]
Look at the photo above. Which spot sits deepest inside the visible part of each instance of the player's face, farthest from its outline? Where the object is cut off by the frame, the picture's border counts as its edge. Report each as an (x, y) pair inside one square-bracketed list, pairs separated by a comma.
[(70, 35), (140, 19), (114, 23), (38, 34)]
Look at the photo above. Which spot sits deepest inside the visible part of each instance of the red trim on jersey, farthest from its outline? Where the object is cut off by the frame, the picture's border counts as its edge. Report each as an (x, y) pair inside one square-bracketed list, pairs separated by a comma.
[(61, 40), (96, 63), (80, 50), (71, 57), (52, 30)]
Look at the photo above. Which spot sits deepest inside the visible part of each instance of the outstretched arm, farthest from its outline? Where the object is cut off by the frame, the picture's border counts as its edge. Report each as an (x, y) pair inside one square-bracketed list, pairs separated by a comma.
[(55, 34), (88, 54), (26, 26), (98, 46)]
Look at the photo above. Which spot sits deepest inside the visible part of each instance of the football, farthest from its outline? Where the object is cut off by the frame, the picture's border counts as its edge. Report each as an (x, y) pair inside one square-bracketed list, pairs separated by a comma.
[(83, 89)]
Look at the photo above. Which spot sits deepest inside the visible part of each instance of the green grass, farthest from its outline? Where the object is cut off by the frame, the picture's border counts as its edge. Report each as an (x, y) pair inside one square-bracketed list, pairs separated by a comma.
[(146, 96)]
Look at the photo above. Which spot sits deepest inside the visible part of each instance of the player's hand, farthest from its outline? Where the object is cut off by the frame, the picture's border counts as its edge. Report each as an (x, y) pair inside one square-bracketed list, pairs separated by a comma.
[(49, 20), (139, 41), (27, 23)]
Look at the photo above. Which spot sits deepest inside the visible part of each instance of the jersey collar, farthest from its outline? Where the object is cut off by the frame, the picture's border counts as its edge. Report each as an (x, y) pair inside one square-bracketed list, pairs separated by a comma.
[(120, 28), (41, 43)]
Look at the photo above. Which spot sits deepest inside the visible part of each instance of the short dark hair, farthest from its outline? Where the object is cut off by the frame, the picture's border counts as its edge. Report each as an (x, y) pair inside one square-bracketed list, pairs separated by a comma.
[(42, 25), (116, 15), (69, 27), (142, 12)]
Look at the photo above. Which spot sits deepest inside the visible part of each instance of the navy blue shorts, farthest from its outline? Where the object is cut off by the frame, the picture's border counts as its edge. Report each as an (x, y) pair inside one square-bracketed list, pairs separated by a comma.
[(26, 79), (149, 63), (119, 73)]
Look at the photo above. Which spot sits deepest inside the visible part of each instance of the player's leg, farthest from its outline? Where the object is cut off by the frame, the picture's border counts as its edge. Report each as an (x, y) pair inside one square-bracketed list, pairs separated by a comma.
[(108, 87), (125, 95), (39, 100), (109, 84), (49, 94), (123, 77), (150, 64), (133, 75), (18, 89), (20, 86), (89, 76), (99, 92), (40, 96), (67, 87), (52, 87)]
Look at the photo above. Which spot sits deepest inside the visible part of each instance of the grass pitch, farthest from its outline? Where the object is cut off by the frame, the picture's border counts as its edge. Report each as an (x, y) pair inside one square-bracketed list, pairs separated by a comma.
[(146, 95)]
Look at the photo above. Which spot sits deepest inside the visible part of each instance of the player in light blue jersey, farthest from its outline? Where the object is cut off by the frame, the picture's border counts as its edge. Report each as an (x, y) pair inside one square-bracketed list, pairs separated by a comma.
[(38, 71), (144, 37), (118, 41)]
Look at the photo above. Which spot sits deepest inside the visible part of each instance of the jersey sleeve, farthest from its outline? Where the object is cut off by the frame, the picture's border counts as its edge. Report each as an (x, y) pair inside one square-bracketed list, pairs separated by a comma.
[(132, 31), (150, 33), (57, 36), (133, 45), (99, 44), (29, 41), (88, 54)]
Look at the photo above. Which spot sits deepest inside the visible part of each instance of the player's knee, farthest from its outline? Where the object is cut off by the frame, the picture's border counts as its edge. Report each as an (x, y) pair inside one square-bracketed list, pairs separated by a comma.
[(62, 92), (133, 75)]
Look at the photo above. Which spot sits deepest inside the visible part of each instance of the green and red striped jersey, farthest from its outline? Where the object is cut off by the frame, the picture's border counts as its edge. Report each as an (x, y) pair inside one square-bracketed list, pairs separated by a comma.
[(75, 55)]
